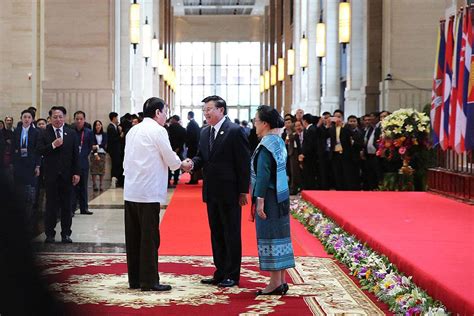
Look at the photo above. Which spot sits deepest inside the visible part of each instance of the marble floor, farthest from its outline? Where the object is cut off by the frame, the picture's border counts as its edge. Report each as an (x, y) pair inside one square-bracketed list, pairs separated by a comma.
[(103, 231)]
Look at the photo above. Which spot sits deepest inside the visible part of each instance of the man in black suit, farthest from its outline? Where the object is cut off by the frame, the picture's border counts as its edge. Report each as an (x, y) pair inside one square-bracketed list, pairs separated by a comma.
[(192, 142), (26, 164), (225, 159), (372, 162), (60, 150), (114, 132), (177, 136), (308, 156)]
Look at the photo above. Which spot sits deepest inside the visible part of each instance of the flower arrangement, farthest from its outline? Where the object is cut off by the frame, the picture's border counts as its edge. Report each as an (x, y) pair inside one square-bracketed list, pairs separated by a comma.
[(375, 272), (404, 133)]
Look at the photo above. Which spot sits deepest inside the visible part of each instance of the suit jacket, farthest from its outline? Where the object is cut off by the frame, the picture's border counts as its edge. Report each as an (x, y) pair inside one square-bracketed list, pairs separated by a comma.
[(309, 147), (24, 167), (104, 142), (345, 137), (61, 161), (113, 137), (378, 131), (86, 148), (177, 135), (294, 146), (192, 138), (226, 169)]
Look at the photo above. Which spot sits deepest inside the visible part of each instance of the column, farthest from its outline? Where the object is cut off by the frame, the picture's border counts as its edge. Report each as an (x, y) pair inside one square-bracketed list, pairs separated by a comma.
[(353, 104), (296, 47), (313, 95), (125, 56), (330, 100)]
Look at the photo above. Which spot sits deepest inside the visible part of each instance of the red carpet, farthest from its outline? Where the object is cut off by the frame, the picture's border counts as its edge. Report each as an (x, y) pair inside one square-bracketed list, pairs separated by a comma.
[(185, 229), (97, 284), (426, 236)]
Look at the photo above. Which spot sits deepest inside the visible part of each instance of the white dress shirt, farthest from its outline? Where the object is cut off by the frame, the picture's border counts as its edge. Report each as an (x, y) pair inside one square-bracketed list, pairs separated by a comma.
[(218, 126), (148, 155)]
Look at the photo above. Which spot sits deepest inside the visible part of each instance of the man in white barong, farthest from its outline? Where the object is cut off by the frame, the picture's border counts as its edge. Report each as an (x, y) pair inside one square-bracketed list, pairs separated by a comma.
[(148, 155)]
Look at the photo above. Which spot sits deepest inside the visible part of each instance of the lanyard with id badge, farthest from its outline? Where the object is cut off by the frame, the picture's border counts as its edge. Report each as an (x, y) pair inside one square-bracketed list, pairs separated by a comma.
[(82, 141)]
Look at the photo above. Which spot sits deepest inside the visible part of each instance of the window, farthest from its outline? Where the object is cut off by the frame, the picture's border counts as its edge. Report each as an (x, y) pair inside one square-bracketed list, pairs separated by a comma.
[(228, 69)]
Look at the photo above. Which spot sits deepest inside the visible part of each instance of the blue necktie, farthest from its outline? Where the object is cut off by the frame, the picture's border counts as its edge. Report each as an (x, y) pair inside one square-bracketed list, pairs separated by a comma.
[(211, 138)]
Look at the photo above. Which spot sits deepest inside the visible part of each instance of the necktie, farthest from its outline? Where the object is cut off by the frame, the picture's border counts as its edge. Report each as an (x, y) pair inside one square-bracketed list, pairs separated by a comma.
[(58, 133), (211, 138)]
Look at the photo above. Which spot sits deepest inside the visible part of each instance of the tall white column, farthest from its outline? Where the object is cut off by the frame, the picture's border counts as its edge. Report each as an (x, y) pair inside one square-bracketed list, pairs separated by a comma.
[(296, 47), (331, 96), (313, 95), (354, 102), (125, 55)]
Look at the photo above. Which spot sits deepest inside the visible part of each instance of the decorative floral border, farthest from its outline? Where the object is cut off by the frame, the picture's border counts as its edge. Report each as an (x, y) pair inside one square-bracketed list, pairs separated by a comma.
[(374, 271)]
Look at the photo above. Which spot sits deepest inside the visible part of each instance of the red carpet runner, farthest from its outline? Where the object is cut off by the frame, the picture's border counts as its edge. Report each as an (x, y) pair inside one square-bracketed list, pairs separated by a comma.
[(427, 236), (185, 228)]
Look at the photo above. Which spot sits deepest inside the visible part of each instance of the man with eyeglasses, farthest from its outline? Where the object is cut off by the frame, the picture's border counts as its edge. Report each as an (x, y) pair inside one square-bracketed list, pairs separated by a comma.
[(60, 150), (225, 159)]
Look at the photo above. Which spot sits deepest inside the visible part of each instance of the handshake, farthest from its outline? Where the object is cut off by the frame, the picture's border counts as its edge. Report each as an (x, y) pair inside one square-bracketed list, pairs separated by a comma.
[(187, 165)]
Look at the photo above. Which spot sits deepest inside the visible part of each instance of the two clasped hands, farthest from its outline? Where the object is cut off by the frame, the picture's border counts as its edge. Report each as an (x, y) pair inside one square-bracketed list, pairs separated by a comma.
[(187, 166)]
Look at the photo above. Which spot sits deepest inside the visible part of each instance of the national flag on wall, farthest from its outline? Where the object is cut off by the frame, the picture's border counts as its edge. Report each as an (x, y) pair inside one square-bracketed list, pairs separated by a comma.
[(469, 105), (448, 74), (455, 81), (437, 90), (463, 88)]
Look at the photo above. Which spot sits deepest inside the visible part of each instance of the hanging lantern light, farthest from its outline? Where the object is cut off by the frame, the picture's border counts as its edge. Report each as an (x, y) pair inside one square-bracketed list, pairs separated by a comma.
[(146, 39), (321, 39), (155, 49), (344, 22), (273, 75), (267, 79), (290, 60), (304, 52), (281, 69), (134, 24)]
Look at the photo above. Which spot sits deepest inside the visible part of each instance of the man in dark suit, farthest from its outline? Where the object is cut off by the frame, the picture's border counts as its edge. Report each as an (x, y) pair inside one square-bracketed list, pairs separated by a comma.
[(85, 141), (114, 132), (372, 162), (60, 150), (225, 159), (177, 136), (308, 156), (26, 164), (192, 142), (294, 150)]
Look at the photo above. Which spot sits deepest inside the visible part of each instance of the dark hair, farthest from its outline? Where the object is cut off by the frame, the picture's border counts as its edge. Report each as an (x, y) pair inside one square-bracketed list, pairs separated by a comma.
[(308, 118), (218, 101), (112, 115), (140, 115), (376, 114), (27, 111), (176, 118), (101, 127), (326, 113), (245, 123), (79, 112), (339, 111), (58, 108), (271, 116), (191, 114), (352, 117), (237, 121), (41, 119), (388, 112), (2, 123), (151, 105)]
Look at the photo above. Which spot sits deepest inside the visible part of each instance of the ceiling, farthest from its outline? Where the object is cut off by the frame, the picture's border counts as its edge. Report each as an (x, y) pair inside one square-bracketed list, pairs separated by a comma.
[(219, 7)]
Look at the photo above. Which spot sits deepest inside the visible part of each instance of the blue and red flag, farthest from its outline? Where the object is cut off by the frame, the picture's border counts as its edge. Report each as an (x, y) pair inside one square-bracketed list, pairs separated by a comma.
[(438, 86), (448, 76), (469, 105)]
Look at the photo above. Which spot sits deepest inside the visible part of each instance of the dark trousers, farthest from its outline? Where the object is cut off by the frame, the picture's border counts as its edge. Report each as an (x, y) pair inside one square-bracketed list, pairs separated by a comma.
[(225, 223), (79, 193), (174, 175), (325, 174), (117, 169), (58, 199), (373, 172), (142, 240), (309, 174)]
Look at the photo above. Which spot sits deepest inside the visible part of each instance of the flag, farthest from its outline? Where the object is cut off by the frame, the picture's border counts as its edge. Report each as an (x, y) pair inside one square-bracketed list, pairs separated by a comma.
[(455, 80), (437, 91), (464, 76), (469, 105), (448, 73)]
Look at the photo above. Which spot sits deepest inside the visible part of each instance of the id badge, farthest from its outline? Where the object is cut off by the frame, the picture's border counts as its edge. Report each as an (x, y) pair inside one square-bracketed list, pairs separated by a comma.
[(80, 149), (24, 152)]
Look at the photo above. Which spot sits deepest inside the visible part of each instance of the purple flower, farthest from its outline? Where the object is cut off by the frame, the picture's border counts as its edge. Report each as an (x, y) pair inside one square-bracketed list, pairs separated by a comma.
[(413, 311), (380, 275)]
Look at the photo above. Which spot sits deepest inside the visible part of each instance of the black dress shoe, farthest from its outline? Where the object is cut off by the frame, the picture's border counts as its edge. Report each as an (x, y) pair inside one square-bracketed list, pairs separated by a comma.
[(157, 287), (210, 281), (134, 286), (228, 283), (279, 290), (66, 240), (87, 212), (49, 240)]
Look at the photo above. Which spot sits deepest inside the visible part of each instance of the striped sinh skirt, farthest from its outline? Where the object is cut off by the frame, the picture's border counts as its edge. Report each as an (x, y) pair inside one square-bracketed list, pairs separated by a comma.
[(275, 251)]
